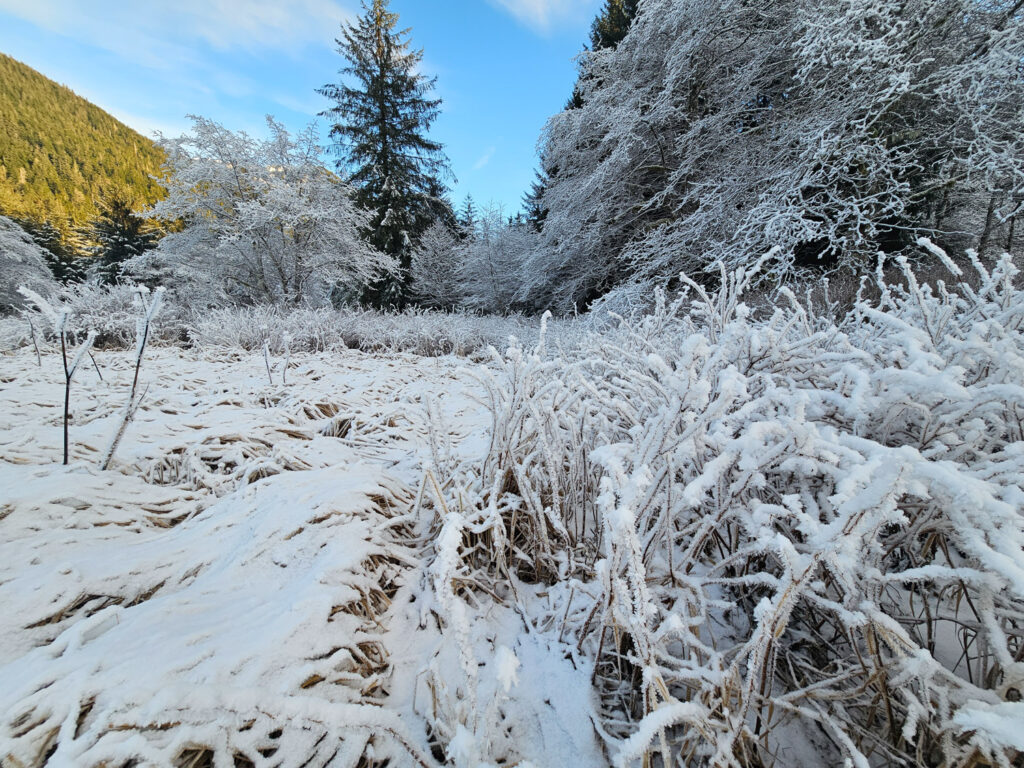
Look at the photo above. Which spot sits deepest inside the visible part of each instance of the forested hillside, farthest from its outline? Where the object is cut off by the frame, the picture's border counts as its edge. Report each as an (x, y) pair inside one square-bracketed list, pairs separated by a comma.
[(61, 156)]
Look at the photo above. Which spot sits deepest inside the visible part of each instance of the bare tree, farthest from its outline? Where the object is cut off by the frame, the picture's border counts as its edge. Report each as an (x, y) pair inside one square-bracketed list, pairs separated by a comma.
[(264, 221)]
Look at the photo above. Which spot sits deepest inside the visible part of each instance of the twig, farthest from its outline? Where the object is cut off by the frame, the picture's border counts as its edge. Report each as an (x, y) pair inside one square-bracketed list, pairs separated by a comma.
[(266, 354), (287, 358), (35, 342), (95, 366), (141, 336)]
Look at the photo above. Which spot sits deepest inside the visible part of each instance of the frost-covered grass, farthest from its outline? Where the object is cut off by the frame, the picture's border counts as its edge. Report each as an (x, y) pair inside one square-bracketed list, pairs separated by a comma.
[(709, 536), (112, 313), (222, 593), (776, 541), (429, 333)]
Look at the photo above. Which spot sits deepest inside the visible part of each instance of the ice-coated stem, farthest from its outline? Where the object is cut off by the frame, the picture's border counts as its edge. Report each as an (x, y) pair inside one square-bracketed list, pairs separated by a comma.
[(266, 353), (287, 358), (35, 342), (141, 337), (69, 374)]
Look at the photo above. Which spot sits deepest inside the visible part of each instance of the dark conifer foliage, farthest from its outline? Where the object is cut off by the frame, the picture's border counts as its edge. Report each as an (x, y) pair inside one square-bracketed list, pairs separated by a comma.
[(468, 217), (533, 201), (62, 255), (116, 236), (381, 114), (612, 23)]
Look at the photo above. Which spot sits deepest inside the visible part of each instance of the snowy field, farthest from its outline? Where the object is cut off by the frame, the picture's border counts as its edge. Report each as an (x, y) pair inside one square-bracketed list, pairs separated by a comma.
[(704, 538), (240, 560), (246, 580)]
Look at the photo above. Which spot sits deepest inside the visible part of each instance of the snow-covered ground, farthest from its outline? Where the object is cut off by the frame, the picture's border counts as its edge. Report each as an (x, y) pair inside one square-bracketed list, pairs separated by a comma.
[(705, 537), (245, 581)]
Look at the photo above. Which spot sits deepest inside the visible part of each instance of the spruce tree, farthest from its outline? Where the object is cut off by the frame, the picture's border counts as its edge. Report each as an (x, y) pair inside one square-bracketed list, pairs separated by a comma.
[(612, 23), (533, 201), (118, 235), (467, 218), (62, 257), (381, 116)]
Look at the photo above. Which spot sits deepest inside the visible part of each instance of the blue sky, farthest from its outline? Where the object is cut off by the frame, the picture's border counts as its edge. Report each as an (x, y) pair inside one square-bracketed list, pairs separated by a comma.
[(502, 67)]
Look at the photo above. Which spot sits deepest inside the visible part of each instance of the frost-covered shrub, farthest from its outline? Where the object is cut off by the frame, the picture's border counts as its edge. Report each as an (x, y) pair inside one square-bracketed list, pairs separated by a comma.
[(774, 532), (491, 263), (22, 263), (112, 311), (434, 268), (264, 221)]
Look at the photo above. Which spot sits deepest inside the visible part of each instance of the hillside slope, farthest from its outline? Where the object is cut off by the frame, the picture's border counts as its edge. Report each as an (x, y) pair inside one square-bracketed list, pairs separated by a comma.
[(60, 154)]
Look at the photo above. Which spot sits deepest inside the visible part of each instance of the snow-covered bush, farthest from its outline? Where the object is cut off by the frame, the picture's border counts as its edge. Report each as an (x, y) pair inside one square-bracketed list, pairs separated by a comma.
[(22, 263), (113, 312), (491, 263), (264, 221), (435, 262), (777, 539)]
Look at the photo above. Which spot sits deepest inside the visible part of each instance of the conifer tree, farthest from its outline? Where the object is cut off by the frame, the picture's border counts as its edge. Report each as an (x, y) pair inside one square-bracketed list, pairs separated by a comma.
[(118, 235), (533, 201), (467, 217), (62, 257), (381, 117), (612, 23), (57, 169)]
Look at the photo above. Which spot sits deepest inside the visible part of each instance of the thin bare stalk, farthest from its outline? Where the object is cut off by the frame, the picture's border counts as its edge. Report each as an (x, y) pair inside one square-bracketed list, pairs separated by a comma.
[(35, 342), (95, 366), (266, 355), (141, 337)]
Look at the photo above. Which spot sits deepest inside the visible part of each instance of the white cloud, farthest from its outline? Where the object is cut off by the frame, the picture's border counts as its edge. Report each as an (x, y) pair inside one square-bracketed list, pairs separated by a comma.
[(186, 50), (484, 159), (258, 23), (543, 15), (165, 31)]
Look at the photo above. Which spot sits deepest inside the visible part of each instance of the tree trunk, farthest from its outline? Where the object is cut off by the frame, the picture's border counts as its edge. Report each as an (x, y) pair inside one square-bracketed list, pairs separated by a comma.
[(990, 223)]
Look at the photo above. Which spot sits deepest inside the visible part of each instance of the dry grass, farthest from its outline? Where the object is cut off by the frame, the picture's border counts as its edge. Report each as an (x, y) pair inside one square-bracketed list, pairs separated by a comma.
[(770, 532)]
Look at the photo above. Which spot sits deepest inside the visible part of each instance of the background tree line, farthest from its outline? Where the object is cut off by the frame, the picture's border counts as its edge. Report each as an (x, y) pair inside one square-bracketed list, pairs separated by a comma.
[(698, 132), (705, 131), (61, 155)]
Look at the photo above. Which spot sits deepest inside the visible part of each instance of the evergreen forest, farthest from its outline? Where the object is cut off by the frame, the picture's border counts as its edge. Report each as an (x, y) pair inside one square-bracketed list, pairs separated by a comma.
[(61, 156)]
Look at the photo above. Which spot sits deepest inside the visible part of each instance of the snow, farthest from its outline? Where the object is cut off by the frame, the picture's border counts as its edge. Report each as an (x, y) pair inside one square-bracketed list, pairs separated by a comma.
[(155, 593), (22, 263), (507, 667), (704, 532), (999, 724), (228, 582)]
